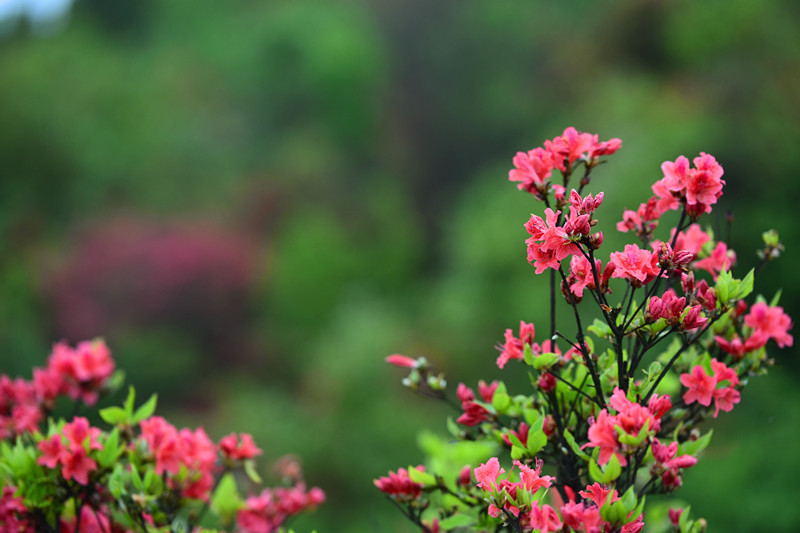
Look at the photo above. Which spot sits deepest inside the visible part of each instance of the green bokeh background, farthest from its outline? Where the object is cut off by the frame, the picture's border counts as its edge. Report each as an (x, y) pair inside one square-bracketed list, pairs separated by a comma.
[(293, 190)]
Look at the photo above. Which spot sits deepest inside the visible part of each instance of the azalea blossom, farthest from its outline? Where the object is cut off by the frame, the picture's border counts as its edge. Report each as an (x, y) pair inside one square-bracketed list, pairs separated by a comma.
[(638, 266), (719, 386), (399, 485), (770, 322), (698, 188), (514, 346)]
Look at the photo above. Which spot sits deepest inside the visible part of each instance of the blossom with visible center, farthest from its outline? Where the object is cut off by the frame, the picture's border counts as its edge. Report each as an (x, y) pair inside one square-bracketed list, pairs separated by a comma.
[(638, 266)]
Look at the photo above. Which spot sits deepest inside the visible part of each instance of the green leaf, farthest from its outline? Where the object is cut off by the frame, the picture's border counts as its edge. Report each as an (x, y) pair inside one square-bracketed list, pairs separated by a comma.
[(599, 328), (527, 354), (136, 478), (545, 360), (226, 500), (130, 401), (776, 298), (114, 415), (146, 410), (693, 447), (501, 402), (420, 476), (453, 428), (574, 445), (514, 440), (111, 450), (250, 470), (613, 469), (746, 286), (595, 472), (536, 441), (517, 452), (116, 482), (723, 286), (457, 520), (152, 483)]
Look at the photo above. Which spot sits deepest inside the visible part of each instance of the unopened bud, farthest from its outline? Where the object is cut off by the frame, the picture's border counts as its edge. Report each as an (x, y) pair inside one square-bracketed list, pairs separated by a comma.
[(547, 382)]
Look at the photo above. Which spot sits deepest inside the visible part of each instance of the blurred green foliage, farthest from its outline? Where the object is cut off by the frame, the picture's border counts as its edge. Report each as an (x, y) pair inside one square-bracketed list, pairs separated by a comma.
[(362, 148)]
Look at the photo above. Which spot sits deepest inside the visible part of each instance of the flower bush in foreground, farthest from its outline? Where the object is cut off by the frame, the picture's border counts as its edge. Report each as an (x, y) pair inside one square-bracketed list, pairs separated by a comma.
[(662, 338), (141, 474)]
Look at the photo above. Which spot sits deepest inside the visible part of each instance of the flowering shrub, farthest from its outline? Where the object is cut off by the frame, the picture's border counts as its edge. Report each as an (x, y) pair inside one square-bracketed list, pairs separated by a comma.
[(141, 474), (662, 338)]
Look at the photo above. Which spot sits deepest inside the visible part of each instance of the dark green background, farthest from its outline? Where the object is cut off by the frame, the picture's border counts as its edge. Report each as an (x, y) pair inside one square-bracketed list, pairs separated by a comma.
[(255, 202)]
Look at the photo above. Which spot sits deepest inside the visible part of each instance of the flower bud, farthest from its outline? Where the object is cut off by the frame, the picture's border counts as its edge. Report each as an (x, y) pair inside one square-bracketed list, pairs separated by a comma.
[(547, 382)]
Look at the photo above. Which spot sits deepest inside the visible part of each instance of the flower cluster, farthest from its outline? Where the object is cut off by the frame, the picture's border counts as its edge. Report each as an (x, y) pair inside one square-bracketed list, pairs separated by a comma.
[(614, 408), (266, 512), (622, 434), (533, 169), (81, 373), (142, 474)]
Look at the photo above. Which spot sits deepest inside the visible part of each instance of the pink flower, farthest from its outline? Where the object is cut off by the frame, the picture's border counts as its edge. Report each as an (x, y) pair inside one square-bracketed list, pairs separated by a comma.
[(584, 206), (704, 185), (703, 388), (631, 418), (643, 221), (603, 435), (573, 145), (700, 385), (399, 485), (464, 393), (73, 458), (532, 170), (549, 243), (636, 265), (514, 347), (692, 319), (401, 360), (770, 322), (544, 519), (668, 307), (698, 187), (691, 240), (487, 391), (266, 512), (240, 448), (667, 464), (473, 414), (737, 348), (581, 276), (13, 513), (521, 434), (531, 478), (598, 494), (52, 450), (720, 259), (84, 369), (486, 474), (76, 464)]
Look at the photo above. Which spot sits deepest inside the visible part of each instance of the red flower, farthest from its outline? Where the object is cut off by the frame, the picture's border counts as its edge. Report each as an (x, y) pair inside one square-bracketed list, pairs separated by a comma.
[(720, 259), (703, 388), (239, 448), (533, 171), (399, 485), (638, 266), (486, 474), (514, 346), (770, 322)]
